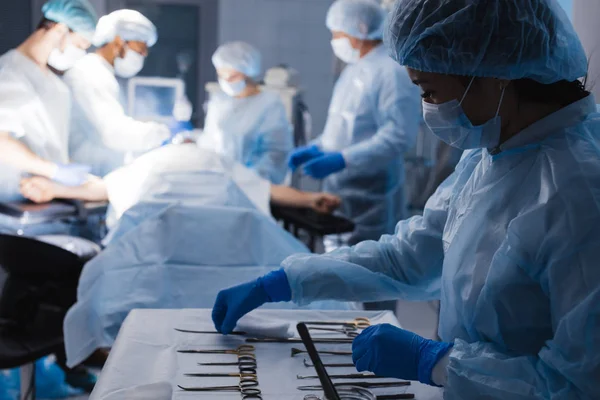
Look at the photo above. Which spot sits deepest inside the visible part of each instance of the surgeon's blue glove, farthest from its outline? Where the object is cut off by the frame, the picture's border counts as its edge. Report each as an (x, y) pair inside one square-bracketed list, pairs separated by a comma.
[(71, 174), (322, 167), (235, 302), (396, 353), (303, 154)]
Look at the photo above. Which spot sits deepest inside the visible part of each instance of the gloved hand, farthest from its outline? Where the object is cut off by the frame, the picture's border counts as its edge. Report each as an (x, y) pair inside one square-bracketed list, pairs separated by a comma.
[(396, 353), (180, 126), (325, 165), (71, 174), (302, 155), (235, 302)]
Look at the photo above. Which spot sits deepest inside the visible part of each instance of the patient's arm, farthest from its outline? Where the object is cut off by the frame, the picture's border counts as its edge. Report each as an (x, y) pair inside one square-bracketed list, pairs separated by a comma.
[(320, 202), (42, 190)]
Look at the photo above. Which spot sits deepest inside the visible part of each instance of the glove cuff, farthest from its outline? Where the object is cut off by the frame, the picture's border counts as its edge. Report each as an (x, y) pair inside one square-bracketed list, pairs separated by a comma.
[(276, 286), (431, 353)]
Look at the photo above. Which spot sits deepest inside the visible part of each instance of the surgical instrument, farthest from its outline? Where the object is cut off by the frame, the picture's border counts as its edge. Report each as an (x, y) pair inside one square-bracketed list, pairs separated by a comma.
[(357, 323), (318, 340), (208, 332), (246, 365), (296, 351), (366, 385), (348, 365), (400, 396), (221, 375), (328, 387), (347, 330), (248, 387), (348, 376), (245, 350)]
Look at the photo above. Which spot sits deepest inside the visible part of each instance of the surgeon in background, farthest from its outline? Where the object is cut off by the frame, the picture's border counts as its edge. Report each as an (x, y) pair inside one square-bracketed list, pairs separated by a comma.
[(373, 120), (35, 104), (102, 135), (245, 123)]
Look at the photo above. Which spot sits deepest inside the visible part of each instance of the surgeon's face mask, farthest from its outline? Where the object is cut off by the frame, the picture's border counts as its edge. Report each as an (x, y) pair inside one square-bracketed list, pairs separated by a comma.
[(232, 88), (65, 60), (449, 122), (342, 48), (130, 65)]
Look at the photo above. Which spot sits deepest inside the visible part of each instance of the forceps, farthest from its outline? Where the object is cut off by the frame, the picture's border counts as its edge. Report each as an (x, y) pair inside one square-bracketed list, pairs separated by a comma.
[(248, 387), (243, 350), (356, 323)]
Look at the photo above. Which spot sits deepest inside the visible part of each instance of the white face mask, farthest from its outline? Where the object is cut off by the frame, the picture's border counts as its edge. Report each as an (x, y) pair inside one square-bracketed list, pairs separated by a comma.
[(449, 122), (232, 88), (65, 60), (344, 50), (130, 65)]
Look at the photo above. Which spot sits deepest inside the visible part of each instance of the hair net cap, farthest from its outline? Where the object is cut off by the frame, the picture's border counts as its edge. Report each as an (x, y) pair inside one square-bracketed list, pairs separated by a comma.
[(78, 15), (487, 38), (239, 56), (362, 19), (129, 25)]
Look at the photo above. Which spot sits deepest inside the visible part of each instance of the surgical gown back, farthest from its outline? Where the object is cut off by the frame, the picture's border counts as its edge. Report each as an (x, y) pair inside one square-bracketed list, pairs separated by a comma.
[(510, 243), (373, 120), (102, 135), (34, 108), (254, 131)]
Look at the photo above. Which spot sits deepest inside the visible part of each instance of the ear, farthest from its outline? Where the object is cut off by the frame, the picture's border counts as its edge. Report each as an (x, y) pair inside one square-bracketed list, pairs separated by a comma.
[(355, 42)]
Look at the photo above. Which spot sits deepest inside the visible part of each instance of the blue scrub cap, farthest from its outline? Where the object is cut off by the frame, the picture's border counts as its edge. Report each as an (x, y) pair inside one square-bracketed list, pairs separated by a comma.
[(362, 19), (239, 56), (78, 15), (505, 39), (129, 25)]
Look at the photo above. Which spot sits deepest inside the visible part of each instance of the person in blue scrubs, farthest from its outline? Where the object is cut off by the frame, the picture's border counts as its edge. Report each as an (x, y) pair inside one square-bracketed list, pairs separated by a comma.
[(510, 242), (373, 120)]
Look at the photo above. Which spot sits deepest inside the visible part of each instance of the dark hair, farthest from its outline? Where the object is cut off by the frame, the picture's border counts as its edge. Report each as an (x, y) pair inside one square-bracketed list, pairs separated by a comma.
[(45, 23), (561, 92)]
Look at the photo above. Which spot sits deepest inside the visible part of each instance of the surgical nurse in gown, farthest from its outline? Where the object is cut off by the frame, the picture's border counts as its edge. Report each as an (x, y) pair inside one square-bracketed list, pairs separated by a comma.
[(35, 104), (245, 123), (373, 120), (510, 242)]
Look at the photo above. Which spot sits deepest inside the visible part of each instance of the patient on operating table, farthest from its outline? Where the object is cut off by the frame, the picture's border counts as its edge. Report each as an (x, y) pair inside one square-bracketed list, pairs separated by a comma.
[(126, 186)]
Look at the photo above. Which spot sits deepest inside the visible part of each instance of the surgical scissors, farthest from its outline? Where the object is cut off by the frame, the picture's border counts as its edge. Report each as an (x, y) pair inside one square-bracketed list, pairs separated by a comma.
[(348, 376), (222, 375), (248, 387), (243, 350), (348, 330), (357, 323), (366, 385), (246, 364), (209, 332)]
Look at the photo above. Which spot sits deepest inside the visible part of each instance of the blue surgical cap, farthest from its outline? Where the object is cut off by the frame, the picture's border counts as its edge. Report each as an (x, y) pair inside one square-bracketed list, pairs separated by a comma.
[(239, 56), (129, 25), (362, 19), (505, 39), (78, 15)]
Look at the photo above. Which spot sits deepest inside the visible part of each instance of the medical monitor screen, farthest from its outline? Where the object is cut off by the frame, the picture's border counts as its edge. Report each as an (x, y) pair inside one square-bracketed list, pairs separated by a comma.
[(153, 99)]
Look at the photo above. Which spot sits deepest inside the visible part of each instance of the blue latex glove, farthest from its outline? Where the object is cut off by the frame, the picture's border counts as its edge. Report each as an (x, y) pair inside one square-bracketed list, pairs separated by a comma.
[(393, 352), (303, 154), (322, 167), (71, 174), (235, 302), (180, 126)]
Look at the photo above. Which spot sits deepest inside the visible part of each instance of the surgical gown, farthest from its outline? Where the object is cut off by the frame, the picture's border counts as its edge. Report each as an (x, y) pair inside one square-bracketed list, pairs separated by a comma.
[(510, 243), (101, 134), (34, 108), (373, 120), (254, 131)]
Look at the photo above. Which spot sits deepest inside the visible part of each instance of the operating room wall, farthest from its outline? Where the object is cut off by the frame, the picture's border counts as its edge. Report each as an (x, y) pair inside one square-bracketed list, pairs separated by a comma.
[(586, 14), (291, 32)]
